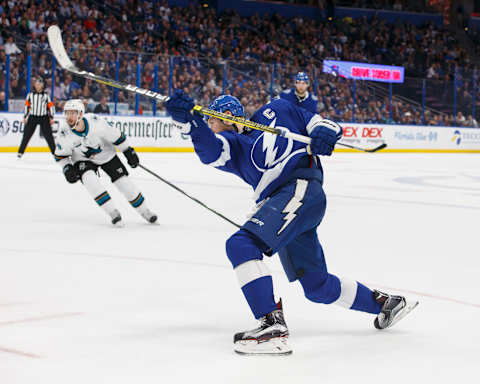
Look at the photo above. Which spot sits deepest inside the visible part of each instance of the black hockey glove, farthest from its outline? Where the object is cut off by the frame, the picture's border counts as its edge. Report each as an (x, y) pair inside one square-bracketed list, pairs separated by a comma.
[(70, 173), (132, 157)]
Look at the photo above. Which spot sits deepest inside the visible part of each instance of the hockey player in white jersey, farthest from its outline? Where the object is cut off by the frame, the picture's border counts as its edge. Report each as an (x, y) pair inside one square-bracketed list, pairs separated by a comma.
[(87, 142)]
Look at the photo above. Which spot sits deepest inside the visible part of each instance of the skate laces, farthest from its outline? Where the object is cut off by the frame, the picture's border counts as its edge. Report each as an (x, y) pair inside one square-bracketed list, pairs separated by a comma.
[(380, 297)]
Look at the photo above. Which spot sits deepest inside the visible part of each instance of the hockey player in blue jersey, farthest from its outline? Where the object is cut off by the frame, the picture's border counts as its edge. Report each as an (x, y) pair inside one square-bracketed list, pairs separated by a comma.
[(299, 94), (287, 179)]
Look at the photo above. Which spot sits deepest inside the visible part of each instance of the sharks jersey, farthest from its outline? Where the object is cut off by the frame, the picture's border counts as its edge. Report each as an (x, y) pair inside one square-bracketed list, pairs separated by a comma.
[(96, 143), (263, 160), (309, 102)]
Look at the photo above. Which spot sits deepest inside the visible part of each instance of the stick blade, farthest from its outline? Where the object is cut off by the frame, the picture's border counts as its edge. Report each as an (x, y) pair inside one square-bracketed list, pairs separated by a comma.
[(56, 44), (380, 147)]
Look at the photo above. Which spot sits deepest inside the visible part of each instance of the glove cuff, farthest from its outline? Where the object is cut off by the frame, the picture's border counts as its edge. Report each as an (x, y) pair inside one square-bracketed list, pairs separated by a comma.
[(184, 128)]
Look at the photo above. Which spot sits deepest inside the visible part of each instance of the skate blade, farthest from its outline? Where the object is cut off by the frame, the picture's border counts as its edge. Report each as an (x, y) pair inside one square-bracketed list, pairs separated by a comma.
[(409, 307), (277, 346), (152, 221)]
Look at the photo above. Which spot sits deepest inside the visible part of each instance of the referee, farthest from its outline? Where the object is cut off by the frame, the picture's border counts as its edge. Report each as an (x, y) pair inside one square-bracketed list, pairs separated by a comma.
[(39, 110)]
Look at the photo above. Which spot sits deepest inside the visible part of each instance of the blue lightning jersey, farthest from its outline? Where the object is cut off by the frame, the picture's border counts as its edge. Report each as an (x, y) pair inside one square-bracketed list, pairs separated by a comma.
[(309, 102), (263, 160)]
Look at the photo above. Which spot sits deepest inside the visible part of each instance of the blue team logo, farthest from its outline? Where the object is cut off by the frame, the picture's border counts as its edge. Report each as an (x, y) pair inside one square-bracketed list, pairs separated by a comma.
[(270, 149), (4, 127), (457, 137)]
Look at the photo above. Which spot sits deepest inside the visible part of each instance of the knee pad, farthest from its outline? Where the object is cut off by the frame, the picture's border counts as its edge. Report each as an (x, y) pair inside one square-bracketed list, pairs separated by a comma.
[(115, 169), (83, 166), (243, 246), (91, 181), (321, 287)]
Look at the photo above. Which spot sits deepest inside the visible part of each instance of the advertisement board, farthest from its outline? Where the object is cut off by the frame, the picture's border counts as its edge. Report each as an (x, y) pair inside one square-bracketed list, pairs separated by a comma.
[(157, 134), (412, 138), (364, 71), (144, 133)]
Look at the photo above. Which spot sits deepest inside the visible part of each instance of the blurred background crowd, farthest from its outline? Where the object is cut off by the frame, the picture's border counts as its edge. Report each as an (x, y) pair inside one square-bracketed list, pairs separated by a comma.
[(254, 58)]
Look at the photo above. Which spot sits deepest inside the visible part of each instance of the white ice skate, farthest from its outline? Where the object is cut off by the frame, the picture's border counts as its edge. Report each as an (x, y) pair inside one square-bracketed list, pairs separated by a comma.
[(270, 338), (149, 216), (394, 308), (116, 219)]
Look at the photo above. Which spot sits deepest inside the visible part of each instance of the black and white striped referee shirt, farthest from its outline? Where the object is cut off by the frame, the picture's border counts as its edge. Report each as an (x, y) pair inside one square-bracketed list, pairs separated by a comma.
[(39, 104)]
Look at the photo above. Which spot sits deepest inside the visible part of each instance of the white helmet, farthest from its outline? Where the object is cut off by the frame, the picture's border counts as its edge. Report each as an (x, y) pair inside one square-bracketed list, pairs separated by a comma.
[(74, 105)]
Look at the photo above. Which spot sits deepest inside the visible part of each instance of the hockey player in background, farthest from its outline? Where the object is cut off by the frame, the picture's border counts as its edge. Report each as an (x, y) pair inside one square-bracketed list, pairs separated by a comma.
[(87, 142), (299, 95), (287, 179)]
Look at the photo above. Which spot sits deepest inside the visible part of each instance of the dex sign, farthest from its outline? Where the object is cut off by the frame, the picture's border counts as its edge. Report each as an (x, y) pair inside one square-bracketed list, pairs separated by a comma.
[(366, 132), (364, 71)]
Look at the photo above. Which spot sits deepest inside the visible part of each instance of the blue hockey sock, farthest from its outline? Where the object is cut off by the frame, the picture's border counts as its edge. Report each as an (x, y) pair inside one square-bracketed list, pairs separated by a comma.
[(356, 296), (364, 300), (245, 254), (322, 287), (259, 295)]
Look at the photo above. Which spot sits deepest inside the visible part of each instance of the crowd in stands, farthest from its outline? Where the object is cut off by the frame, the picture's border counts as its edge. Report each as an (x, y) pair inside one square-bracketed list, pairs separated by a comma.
[(205, 54), (391, 5)]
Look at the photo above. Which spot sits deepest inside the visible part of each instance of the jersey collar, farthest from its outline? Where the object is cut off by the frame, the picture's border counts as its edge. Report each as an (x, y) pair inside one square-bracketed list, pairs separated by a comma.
[(301, 98), (85, 132)]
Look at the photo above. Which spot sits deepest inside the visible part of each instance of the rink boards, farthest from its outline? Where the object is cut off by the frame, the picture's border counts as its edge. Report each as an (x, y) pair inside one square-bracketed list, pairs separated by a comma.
[(157, 134)]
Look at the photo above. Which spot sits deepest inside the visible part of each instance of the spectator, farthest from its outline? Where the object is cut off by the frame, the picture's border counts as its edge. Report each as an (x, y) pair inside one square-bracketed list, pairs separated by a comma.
[(460, 119), (202, 43), (2, 101), (471, 122), (10, 47), (102, 107), (59, 90)]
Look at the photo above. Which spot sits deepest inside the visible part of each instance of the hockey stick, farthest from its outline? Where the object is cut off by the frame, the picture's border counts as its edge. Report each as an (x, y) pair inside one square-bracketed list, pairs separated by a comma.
[(369, 150), (58, 49), (190, 197), (275, 131)]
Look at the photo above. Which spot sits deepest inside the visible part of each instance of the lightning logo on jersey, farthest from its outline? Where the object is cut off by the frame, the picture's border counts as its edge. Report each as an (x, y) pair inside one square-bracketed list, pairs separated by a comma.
[(269, 148), (263, 160), (294, 204)]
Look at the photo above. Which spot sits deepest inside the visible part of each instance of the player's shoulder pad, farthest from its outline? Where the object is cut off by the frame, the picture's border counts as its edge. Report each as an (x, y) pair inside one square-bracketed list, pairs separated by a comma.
[(95, 122), (314, 98), (278, 105)]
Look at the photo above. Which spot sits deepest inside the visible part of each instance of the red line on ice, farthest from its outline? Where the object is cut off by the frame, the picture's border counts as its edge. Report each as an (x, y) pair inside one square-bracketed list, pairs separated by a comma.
[(432, 296), (20, 353), (40, 318)]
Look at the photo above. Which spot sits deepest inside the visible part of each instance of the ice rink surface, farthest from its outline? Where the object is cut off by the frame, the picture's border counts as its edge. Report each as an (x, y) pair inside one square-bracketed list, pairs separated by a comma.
[(84, 302)]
